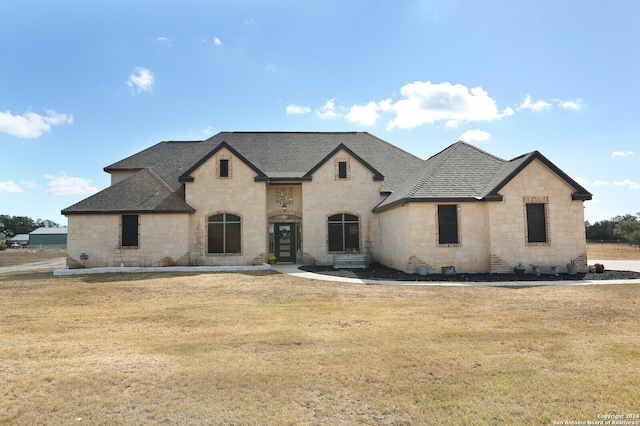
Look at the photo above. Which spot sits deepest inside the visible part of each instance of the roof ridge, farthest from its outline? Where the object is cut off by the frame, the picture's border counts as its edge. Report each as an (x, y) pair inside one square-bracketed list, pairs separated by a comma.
[(159, 179), (440, 158), (297, 132)]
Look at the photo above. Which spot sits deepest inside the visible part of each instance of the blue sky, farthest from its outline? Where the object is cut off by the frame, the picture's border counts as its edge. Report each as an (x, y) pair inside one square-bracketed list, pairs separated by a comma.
[(85, 84)]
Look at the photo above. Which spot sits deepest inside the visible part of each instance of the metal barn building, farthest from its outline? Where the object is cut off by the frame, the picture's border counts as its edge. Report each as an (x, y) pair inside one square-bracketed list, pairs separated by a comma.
[(48, 237)]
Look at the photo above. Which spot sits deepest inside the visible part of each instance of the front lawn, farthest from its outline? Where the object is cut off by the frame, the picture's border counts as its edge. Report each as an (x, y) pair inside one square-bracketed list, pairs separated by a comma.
[(264, 348)]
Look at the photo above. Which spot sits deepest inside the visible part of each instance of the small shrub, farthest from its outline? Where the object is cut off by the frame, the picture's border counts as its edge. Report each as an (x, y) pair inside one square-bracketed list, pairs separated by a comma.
[(3, 247)]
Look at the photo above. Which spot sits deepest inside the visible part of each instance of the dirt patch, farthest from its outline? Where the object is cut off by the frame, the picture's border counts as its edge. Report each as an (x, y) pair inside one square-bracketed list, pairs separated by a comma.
[(380, 272), (13, 257)]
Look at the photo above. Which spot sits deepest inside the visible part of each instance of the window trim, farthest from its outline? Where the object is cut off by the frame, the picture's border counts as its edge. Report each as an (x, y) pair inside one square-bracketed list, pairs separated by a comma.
[(441, 223), (224, 222), (228, 168), (342, 172), (224, 168), (343, 222), (342, 169), (528, 224), (126, 230)]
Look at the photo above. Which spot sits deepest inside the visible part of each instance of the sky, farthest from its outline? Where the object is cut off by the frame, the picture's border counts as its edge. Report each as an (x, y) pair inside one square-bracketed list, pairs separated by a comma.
[(85, 84)]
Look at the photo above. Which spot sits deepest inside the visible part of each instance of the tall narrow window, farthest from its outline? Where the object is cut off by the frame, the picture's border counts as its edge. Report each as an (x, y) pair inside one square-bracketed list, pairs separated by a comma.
[(448, 224), (224, 168), (536, 223), (344, 232), (342, 169), (130, 230), (224, 233)]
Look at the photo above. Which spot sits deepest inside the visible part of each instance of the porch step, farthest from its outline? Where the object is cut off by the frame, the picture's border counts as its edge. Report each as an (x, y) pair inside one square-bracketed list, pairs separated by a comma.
[(345, 261)]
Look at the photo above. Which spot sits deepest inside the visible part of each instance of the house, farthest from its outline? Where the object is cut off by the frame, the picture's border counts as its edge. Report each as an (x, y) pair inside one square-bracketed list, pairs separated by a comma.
[(237, 197), (48, 237)]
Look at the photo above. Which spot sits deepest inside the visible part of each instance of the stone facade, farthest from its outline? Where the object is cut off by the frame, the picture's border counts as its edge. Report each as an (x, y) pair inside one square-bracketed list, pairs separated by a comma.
[(239, 194), (161, 241), (492, 235)]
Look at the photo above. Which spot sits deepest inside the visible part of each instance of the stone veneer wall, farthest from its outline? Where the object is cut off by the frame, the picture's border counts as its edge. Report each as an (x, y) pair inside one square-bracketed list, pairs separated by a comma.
[(161, 241), (565, 222), (415, 243), (326, 195), (492, 234), (238, 194)]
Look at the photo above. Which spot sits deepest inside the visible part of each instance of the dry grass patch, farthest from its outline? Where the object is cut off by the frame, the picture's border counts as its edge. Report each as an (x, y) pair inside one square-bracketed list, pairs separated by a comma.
[(263, 348), (12, 257), (619, 251)]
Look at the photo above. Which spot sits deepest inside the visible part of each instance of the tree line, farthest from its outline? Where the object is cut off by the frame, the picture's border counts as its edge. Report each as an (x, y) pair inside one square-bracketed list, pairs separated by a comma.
[(620, 228), (14, 225)]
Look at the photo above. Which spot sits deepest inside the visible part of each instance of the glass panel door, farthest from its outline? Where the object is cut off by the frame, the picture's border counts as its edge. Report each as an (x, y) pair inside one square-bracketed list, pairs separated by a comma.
[(285, 239)]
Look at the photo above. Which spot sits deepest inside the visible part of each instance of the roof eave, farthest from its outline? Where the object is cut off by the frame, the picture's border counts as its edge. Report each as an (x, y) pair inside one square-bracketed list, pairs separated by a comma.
[(404, 201), (282, 179), (106, 212), (581, 196)]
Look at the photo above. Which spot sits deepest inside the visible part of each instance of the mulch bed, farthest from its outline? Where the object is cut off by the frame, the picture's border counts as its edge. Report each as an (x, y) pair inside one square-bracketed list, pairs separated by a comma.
[(376, 271)]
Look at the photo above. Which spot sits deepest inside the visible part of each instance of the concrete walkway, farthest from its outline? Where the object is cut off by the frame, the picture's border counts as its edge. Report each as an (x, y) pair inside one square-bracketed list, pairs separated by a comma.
[(621, 265)]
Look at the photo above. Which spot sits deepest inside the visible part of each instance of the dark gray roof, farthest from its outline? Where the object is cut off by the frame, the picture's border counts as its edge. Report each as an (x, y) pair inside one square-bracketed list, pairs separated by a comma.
[(144, 192), (463, 172), (276, 155), (459, 172)]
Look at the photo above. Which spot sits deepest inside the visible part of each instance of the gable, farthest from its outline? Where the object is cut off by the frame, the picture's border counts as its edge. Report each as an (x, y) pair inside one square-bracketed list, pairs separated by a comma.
[(518, 164), (222, 148), (342, 149), (464, 173)]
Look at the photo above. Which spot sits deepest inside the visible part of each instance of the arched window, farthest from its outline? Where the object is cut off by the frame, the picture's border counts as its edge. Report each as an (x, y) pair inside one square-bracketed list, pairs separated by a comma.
[(344, 232), (224, 233)]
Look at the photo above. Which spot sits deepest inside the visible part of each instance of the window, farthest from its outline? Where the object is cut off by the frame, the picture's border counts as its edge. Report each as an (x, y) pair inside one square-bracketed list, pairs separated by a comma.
[(130, 230), (342, 170), (224, 168), (344, 232), (224, 233), (448, 224), (536, 223)]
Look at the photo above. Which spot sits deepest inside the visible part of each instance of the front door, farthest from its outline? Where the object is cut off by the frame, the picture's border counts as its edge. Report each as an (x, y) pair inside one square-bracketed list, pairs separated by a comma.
[(285, 242)]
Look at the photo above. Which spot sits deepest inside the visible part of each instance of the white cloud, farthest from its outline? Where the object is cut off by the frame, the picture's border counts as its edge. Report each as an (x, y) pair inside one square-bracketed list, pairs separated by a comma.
[(66, 185), (328, 110), (475, 135), (165, 40), (29, 184), (621, 153), (627, 182), (426, 102), (10, 187), (571, 104), (31, 125), (294, 109), (601, 183), (579, 179), (141, 80), (365, 115), (535, 106), (208, 131), (217, 41)]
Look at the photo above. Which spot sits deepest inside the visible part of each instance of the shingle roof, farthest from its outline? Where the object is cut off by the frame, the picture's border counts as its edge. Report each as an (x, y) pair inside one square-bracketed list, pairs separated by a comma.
[(459, 172), (141, 193), (463, 172)]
